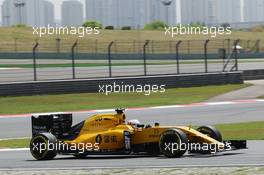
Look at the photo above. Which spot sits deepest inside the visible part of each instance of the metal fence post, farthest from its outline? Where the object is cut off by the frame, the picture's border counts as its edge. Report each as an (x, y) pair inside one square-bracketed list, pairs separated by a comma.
[(206, 56), (222, 55), (73, 59), (109, 58), (58, 40), (145, 56), (177, 56), (34, 61)]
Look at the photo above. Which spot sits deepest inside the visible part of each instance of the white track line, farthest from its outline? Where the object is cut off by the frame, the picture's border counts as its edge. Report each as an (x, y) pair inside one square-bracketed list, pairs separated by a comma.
[(13, 68), (13, 149), (15, 138)]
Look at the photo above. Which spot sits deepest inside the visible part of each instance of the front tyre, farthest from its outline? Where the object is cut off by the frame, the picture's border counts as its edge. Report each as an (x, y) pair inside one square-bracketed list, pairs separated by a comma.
[(173, 143), (211, 132), (43, 146)]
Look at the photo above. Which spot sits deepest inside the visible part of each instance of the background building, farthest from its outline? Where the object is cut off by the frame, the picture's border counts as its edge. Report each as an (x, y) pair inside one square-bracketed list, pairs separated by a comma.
[(212, 12), (134, 13), (162, 12), (253, 10), (28, 12), (230, 11), (72, 13), (192, 11)]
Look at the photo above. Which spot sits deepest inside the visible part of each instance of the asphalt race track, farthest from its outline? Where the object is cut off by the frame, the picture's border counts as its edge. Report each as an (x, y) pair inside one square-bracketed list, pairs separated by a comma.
[(22, 160), (196, 115), (26, 74), (219, 113)]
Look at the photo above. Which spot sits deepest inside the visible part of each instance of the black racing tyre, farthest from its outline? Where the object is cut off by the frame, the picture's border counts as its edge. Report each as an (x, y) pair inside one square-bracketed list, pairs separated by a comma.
[(173, 143), (211, 132), (43, 146)]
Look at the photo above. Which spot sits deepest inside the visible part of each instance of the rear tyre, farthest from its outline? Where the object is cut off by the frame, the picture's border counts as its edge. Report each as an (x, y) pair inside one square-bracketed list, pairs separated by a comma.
[(43, 146), (173, 143), (211, 132)]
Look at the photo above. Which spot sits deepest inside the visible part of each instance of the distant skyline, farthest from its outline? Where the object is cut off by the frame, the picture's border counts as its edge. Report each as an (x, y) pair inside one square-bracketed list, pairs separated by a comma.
[(57, 4), (141, 12)]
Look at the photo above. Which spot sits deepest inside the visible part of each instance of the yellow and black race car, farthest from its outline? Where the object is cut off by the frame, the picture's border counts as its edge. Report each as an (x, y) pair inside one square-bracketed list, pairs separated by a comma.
[(110, 134)]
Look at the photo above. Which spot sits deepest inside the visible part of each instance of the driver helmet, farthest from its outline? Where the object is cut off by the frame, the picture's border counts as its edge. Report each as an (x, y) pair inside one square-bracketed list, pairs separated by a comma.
[(133, 123)]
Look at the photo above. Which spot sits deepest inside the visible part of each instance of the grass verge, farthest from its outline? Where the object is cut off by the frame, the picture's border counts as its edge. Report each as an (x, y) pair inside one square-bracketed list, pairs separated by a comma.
[(237, 131), (242, 131), (14, 143), (86, 101), (8, 34), (21, 39)]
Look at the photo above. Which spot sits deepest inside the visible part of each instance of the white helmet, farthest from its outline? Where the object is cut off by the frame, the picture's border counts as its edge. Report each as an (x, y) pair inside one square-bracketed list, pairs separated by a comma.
[(133, 123)]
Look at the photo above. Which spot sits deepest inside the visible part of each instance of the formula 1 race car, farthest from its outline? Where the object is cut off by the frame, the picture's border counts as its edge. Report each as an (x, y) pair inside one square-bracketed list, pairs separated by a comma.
[(109, 134)]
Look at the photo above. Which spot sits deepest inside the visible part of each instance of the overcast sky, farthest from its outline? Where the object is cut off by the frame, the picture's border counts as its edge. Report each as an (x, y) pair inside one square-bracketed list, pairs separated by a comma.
[(57, 4)]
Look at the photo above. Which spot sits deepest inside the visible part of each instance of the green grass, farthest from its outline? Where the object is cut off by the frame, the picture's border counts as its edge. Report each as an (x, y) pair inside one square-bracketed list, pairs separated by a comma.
[(14, 143), (9, 33), (237, 131), (22, 39), (243, 131), (85, 101)]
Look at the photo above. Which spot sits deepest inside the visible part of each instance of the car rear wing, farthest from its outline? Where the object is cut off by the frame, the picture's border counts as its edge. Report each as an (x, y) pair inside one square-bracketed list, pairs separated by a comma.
[(56, 123)]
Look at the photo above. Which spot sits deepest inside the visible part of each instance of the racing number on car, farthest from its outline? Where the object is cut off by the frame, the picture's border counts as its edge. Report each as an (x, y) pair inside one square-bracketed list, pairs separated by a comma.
[(110, 139), (107, 139)]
